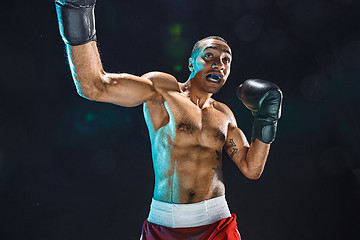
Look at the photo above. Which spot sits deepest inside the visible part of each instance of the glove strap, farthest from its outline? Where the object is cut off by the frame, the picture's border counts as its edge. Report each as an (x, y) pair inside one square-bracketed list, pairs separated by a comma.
[(76, 24), (264, 130)]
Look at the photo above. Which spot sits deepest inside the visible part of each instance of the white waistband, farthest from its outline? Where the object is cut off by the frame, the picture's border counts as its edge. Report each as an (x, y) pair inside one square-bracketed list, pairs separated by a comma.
[(188, 215)]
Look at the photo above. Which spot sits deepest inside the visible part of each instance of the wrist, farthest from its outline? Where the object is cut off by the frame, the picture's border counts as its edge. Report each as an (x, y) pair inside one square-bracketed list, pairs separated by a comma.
[(76, 23), (264, 130)]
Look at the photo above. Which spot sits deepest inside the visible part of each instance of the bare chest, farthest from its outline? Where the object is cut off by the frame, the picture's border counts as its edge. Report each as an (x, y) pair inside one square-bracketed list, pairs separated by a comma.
[(203, 127), (192, 125)]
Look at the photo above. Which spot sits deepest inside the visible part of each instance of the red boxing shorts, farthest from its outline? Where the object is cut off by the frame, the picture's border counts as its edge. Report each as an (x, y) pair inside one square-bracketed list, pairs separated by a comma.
[(224, 229)]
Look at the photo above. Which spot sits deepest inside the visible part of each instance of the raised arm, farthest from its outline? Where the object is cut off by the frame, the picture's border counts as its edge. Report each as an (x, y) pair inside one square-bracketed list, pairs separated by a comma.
[(94, 83), (264, 99), (77, 28)]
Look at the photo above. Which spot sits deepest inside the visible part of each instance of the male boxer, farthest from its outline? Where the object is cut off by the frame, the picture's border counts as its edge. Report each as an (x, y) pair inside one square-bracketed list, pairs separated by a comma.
[(188, 129)]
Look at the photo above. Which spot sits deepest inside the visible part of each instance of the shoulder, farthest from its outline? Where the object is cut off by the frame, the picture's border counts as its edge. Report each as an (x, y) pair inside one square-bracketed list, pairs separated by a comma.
[(162, 81), (225, 110)]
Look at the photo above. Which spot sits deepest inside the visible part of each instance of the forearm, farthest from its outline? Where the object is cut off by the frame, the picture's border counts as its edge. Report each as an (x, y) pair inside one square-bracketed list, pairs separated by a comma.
[(253, 164), (86, 69), (76, 20)]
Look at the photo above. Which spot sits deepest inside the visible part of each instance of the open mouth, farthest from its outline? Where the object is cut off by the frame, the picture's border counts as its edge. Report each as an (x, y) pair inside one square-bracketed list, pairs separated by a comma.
[(213, 77)]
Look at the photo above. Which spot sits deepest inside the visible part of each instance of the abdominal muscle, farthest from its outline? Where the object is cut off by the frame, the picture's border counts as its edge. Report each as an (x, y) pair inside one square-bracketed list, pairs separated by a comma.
[(190, 175)]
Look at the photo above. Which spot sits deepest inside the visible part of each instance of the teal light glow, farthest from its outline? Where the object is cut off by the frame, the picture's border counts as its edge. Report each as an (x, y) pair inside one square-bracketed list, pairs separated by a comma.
[(161, 142), (89, 117)]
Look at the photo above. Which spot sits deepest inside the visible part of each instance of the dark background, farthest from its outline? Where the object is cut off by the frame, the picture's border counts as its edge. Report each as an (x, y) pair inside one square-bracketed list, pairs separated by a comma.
[(75, 169)]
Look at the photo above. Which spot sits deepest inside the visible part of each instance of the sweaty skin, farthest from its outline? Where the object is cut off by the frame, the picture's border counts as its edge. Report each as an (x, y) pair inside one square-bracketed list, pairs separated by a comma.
[(188, 129)]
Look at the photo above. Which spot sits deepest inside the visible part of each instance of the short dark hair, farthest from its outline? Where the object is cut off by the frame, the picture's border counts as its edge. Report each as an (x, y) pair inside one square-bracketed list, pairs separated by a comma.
[(197, 44)]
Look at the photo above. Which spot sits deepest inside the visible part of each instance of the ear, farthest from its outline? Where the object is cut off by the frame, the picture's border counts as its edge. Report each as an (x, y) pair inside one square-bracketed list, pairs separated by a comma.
[(191, 64)]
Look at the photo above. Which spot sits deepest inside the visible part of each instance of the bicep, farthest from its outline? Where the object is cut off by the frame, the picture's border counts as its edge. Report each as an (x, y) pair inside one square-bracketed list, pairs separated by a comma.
[(236, 144), (128, 90), (125, 89)]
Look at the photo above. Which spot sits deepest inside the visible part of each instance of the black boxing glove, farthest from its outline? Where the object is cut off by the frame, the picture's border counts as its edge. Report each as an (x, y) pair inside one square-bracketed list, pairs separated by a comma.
[(76, 21), (264, 99)]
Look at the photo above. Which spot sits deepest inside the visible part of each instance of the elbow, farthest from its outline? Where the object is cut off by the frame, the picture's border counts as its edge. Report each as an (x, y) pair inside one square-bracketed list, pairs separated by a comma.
[(90, 92), (85, 92), (254, 176), (89, 86), (251, 173)]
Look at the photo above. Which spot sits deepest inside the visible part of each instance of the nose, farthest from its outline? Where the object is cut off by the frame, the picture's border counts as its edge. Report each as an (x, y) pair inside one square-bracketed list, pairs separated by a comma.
[(217, 65)]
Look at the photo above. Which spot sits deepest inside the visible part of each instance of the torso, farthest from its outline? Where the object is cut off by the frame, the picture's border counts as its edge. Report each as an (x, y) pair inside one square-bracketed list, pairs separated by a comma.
[(186, 143)]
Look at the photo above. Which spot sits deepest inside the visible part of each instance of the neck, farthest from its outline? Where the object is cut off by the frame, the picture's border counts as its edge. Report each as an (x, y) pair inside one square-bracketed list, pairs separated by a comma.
[(198, 97)]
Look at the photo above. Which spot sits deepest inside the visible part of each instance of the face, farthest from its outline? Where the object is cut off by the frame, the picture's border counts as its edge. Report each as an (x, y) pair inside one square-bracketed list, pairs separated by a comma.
[(210, 65)]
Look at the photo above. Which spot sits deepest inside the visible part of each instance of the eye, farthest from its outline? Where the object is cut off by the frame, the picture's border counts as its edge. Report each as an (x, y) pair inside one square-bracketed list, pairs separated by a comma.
[(208, 55), (226, 60)]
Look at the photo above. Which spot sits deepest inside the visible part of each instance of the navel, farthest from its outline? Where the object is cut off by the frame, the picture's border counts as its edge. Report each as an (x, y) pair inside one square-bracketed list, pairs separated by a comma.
[(191, 196)]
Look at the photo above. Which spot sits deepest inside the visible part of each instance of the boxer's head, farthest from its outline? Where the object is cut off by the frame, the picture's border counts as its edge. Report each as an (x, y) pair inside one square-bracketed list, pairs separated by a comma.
[(209, 63)]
